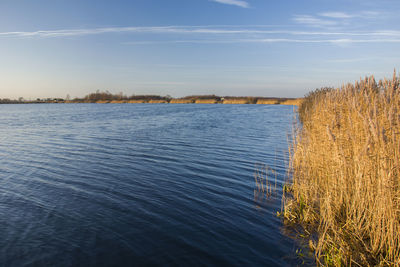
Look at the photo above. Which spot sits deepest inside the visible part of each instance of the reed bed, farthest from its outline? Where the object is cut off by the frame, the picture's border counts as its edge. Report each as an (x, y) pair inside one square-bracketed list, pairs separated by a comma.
[(181, 101), (292, 102), (267, 102), (158, 101), (206, 101), (345, 161), (236, 101), (139, 101), (102, 101)]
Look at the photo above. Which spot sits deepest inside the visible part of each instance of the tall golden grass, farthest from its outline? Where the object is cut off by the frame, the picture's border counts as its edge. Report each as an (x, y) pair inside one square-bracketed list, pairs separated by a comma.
[(345, 163), (267, 101), (236, 101), (136, 101), (292, 102), (158, 101), (206, 101)]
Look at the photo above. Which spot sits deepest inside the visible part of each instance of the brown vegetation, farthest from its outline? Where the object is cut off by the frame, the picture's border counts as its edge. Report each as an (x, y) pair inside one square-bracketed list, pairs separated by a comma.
[(205, 101), (345, 164), (159, 101), (267, 101), (235, 101), (217, 98), (136, 101), (107, 97), (239, 100), (291, 102), (181, 101), (118, 101)]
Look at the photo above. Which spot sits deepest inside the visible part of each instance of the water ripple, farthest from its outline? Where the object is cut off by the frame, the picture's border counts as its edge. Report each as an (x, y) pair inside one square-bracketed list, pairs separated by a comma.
[(93, 185)]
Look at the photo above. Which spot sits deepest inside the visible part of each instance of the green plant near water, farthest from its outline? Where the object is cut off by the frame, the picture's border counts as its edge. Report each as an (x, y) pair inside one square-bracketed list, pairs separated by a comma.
[(345, 164)]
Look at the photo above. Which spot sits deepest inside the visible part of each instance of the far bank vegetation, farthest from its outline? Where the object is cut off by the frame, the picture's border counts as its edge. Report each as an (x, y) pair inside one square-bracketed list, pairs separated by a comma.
[(107, 97), (345, 165)]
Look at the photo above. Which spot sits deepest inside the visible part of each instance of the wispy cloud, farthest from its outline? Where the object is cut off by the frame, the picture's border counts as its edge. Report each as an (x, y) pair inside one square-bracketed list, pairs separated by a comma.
[(335, 18), (314, 21), (220, 34), (212, 30), (239, 3), (344, 15), (159, 30), (339, 42), (336, 15)]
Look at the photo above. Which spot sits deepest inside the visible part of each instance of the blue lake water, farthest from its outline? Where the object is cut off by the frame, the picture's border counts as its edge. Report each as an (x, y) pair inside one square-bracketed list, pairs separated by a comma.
[(141, 184)]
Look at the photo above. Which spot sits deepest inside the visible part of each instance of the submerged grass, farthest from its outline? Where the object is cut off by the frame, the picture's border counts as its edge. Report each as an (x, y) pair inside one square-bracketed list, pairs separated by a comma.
[(345, 164), (265, 182), (263, 178)]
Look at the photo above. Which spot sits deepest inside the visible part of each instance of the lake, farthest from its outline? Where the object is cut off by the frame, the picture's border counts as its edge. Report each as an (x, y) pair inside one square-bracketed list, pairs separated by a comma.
[(141, 184)]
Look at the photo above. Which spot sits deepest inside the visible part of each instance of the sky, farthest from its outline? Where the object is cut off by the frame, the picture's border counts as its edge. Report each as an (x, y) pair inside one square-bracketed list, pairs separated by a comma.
[(283, 48)]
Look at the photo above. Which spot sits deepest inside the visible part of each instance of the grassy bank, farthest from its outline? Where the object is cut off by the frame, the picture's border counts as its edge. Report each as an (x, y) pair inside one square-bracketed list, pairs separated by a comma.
[(345, 162)]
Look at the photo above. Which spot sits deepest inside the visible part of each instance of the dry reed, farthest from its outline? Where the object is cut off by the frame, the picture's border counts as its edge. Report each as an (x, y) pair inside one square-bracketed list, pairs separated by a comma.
[(264, 185), (181, 101), (236, 101), (262, 182), (206, 101), (139, 101), (345, 161), (157, 101), (267, 102), (292, 102)]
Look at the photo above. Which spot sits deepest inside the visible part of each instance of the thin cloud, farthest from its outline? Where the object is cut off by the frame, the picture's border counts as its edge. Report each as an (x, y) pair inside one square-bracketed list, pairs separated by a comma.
[(335, 18), (159, 30), (219, 34), (314, 21), (211, 29), (344, 15), (239, 3), (352, 60), (270, 40), (332, 41), (371, 14), (337, 15)]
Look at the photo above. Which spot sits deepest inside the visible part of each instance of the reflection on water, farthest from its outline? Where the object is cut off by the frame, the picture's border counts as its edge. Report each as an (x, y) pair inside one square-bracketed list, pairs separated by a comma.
[(89, 185)]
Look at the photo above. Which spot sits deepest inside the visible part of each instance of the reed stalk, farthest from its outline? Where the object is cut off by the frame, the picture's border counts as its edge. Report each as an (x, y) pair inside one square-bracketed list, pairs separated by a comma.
[(265, 186), (344, 164)]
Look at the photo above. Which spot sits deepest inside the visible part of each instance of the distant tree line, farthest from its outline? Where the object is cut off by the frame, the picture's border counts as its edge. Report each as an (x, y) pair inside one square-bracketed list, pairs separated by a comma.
[(21, 100), (106, 96), (194, 97), (9, 101)]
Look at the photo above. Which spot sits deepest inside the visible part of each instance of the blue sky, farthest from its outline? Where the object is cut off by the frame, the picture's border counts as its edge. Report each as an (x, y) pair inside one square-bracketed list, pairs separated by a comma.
[(183, 47)]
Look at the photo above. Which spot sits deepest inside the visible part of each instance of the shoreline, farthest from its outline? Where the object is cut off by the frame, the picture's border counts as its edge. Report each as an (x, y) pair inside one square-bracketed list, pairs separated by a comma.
[(291, 101)]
